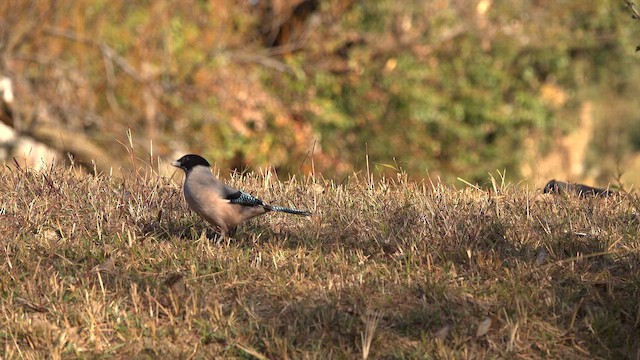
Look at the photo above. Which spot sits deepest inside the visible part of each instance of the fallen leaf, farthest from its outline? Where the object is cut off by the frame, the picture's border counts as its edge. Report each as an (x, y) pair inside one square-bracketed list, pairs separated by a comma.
[(542, 255), (176, 284), (484, 327), (107, 266), (50, 235), (443, 332)]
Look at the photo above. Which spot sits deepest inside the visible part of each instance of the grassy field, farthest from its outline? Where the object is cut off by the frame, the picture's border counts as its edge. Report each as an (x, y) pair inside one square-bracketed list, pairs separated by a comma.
[(119, 268)]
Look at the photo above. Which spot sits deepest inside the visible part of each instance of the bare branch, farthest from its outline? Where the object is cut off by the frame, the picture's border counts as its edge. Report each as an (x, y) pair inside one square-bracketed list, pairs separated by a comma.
[(106, 50), (635, 14), (633, 8)]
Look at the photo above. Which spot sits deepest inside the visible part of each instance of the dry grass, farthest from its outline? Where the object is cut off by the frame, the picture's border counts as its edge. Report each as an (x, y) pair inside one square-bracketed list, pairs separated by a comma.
[(392, 269)]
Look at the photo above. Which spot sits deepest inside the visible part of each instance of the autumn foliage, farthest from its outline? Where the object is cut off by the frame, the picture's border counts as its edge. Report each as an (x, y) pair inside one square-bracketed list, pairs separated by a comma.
[(439, 87)]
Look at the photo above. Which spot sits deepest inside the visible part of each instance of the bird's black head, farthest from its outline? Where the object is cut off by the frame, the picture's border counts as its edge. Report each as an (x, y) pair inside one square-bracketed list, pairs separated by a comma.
[(551, 187), (190, 161)]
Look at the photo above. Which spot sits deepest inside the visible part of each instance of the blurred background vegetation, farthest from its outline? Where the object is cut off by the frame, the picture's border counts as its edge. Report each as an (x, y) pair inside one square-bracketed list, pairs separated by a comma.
[(447, 89)]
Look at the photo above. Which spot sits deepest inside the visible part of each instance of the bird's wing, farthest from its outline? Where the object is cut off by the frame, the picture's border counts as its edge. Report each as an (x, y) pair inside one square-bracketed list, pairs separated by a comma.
[(233, 195), (242, 198)]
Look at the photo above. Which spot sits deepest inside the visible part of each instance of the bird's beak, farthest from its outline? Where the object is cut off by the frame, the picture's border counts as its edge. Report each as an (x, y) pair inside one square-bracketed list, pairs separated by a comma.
[(176, 164)]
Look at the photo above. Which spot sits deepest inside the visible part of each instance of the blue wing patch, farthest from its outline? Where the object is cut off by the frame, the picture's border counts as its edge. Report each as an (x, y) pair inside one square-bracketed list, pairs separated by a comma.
[(242, 198)]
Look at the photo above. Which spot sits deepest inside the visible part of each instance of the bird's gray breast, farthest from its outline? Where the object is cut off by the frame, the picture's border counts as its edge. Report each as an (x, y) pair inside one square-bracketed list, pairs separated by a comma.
[(201, 191)]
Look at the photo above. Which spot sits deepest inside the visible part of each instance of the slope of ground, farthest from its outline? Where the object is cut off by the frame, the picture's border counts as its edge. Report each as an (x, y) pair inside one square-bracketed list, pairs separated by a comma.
[(384, 269)]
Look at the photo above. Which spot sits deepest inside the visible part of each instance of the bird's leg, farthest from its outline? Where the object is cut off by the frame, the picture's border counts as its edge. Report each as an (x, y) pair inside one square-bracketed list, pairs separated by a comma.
[(224, 233), (223, 230), (232, 232)]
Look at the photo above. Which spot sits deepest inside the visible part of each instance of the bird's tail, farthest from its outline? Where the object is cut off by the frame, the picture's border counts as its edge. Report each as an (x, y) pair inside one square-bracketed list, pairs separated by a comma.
[(288, 210)]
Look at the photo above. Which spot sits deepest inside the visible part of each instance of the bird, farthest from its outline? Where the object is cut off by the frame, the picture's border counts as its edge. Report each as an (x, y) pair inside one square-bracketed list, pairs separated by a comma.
[(221, 205), (559, 187)]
